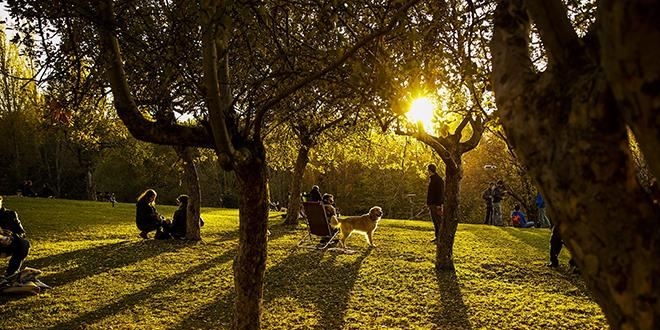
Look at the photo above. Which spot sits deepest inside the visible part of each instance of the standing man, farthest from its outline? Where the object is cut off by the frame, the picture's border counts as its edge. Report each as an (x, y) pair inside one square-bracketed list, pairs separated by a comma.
[(12, 239), (435, 198), (543, 220), (487, 195), (498, 194)]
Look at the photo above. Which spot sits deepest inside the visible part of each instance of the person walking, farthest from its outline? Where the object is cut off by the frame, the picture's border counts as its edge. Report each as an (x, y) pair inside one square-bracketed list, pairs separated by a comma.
[(543, 220), (435, 198)]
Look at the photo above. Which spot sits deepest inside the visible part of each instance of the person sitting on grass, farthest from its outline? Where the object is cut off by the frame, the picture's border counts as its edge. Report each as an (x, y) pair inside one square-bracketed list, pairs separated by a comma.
[(147, 218), (179, 219), (518, 218), (12, 239)]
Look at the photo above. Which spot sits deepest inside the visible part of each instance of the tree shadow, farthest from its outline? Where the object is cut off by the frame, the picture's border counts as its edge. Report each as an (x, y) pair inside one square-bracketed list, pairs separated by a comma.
[(138, 298), (311, 280), (520, 235), (97, 260), (215, 315), (214, 239), (531, 237), (402, 224), (453, 313)]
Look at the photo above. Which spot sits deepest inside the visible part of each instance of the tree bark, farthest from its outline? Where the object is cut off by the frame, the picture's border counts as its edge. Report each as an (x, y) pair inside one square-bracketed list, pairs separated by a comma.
[(91, 185), (295, 204), (451, 150), (193, 190), (444, 256), (630, 43), (250, 262), (570, 132)]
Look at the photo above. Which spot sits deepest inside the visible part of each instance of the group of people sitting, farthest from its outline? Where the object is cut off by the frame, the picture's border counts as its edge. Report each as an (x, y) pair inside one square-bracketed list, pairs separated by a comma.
[(148, 219)]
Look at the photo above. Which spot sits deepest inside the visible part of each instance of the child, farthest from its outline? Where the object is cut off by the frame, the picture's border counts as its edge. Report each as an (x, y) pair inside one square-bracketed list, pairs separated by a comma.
[(518, 218)]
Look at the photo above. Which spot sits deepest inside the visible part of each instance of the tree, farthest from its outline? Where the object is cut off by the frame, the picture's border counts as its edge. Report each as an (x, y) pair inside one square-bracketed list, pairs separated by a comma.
[(19, 104), (326, 112), (249, 60), (568, 121), (442, 56), (239, 148), (191, 180)]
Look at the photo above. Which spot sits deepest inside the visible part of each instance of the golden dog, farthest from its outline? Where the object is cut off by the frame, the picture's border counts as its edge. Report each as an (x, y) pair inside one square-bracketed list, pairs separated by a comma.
[(365, 223)]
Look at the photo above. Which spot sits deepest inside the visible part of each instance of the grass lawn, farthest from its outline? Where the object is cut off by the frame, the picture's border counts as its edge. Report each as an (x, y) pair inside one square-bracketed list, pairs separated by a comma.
[(105, 277)]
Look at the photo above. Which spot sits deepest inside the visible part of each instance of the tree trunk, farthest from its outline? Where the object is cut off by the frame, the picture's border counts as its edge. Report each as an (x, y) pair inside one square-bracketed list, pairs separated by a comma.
[(294, 205), (630, 44), (444, 256), (91, 185), (571, 134), (193, 190), (250, 262)]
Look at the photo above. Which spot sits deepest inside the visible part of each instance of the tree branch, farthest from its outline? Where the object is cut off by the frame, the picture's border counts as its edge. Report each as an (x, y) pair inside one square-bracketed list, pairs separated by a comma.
[(559, 38), (304, 81), (512, 66), (139, 126)]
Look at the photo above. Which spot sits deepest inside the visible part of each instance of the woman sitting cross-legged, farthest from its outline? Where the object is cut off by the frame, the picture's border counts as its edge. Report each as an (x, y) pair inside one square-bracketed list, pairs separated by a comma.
[(147, 218)]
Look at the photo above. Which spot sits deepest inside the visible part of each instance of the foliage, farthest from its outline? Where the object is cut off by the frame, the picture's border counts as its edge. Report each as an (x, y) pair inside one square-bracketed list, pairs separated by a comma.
[(500, 280)]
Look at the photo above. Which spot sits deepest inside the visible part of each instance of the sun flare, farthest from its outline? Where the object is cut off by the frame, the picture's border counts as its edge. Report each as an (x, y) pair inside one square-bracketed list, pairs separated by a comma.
[(421, 113)]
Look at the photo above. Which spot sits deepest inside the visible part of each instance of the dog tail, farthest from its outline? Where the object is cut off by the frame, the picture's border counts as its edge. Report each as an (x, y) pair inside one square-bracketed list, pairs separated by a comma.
[(334, 222)]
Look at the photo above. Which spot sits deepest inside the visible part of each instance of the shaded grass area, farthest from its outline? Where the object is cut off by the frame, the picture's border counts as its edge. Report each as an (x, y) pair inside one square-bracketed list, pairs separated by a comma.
[(105, 277)]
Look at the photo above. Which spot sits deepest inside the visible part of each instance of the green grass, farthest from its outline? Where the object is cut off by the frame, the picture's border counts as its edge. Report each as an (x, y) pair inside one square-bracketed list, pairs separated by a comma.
[(105, 277)]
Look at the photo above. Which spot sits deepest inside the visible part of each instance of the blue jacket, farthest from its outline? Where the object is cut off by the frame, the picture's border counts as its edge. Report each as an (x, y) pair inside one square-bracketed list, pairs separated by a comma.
[(540, 203), (523, 221)]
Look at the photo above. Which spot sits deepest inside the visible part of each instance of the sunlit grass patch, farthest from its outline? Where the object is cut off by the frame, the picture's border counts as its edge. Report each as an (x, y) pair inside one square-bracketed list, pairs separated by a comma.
[(105, 277)]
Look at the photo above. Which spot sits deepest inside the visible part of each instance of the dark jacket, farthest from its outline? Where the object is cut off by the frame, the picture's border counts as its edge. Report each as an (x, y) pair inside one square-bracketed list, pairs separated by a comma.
[(498, 193), (146, 215), (314, 196), (9, 221), (487, 195), (436, 191), (179, 223)]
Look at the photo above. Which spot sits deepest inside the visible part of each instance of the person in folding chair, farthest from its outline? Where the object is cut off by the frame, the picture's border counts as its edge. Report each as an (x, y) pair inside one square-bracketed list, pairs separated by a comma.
[(330, 210), (318, 223)]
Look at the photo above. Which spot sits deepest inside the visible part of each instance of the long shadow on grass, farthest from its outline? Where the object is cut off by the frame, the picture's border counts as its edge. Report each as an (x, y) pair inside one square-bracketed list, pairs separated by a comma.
[(215, 315), (532, 238), (276, 231), (99, 259), (527, 236), (325, 284), (453, 312), (410, 226), (138, 298)]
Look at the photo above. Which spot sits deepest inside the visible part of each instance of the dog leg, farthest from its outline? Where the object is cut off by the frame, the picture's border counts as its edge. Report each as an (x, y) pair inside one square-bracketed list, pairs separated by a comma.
[(344, 236), (370, 238)]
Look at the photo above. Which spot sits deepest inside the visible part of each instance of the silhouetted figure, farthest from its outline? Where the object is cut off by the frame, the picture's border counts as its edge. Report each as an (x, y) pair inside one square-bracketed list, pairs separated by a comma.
[(27, 189), (543, 220), (147, 218), (46, 191), (435, 198), (487, 196), (12, 239), (315, 194)]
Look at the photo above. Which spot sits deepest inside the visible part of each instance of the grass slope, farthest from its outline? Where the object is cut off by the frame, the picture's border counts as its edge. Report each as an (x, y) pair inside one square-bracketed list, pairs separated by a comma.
[(105, 277)]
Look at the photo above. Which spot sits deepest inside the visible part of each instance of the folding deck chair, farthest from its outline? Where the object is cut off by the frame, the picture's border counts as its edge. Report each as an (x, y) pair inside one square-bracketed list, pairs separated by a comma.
[(317, 225)]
